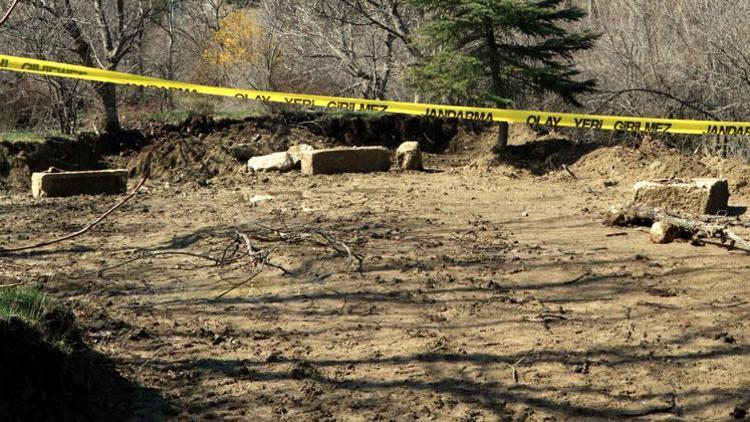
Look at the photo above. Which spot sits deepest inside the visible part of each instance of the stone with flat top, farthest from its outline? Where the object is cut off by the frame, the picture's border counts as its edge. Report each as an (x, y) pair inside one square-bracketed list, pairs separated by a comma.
[(70, 183), (346, 160), (696, 196)]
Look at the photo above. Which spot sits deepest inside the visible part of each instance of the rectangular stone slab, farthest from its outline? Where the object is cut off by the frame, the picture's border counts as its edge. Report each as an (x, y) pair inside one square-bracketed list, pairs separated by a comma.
[(346, 160), (104, 182), (697, 196)]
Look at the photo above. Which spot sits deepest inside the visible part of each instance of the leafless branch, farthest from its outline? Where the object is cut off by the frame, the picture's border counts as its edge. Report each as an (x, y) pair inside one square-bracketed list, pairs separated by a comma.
[(9, 12)]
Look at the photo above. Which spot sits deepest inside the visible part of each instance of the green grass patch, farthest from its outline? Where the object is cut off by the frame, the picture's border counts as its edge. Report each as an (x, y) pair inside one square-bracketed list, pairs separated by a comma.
[(42, 312), (22, 136), (23, 303), (172, 116), (178, 116), (348, 114), (29, 136), (236, 115)]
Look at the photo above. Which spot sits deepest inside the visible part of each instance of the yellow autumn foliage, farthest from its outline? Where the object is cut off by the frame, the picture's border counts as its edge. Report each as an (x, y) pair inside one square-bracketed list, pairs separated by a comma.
[(236, 41)]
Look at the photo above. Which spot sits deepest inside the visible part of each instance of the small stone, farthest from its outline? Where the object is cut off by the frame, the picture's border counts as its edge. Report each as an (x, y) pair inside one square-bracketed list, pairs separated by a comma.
[(409, 156), (260, 198), (140, 335), (663, 233), (725, 337), (278, 161)]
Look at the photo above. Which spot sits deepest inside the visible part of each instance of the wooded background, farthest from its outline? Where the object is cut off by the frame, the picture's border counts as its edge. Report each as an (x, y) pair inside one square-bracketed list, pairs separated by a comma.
[(666, 58)]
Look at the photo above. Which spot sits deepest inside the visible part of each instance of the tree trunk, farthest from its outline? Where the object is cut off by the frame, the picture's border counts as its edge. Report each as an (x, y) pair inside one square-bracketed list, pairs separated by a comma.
[(498, 87), (108, 94), (502, 136)]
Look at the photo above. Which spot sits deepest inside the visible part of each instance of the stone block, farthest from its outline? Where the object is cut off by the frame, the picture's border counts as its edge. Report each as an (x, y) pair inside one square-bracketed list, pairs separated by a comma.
[(346, 160), (409, 156), (697, 196), (54, 184)]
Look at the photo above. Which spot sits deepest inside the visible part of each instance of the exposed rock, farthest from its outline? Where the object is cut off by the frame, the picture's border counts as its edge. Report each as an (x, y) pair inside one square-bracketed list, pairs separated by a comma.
[(663, 233), (58, 183), (699, 196), (278, 161), (297, 151), (346, 160), (259, 198), (409, 156)]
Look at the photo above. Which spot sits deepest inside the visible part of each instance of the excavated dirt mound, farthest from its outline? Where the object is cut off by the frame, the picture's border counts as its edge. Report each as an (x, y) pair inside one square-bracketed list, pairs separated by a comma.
[(278, 130), (183, 159), (654, 161), (546, 156), (19, 159), (201, 148)]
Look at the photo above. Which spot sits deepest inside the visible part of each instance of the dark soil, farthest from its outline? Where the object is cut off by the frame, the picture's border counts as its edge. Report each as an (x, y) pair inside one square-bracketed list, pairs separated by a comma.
[(546, 154), (19, 159), (41, 382), (389, 131), (201, 148)]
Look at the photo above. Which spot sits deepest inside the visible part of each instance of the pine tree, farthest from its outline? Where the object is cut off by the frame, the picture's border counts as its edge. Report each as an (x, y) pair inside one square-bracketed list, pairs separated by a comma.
[(494, 52)]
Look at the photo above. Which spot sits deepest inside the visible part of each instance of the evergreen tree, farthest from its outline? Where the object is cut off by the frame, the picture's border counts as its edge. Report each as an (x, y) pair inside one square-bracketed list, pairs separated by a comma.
[(493, 52)]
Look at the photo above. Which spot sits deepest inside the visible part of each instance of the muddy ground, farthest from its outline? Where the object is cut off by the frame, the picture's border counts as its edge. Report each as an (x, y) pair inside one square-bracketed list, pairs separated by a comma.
[(489, 291)]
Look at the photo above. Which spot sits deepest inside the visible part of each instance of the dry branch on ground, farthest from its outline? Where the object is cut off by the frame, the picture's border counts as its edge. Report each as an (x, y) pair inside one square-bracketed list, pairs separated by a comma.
[(244, 251), (668, 224)]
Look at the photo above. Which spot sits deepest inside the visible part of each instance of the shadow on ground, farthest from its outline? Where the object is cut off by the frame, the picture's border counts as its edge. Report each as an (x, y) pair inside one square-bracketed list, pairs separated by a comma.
[(545, 155), (41, 381)]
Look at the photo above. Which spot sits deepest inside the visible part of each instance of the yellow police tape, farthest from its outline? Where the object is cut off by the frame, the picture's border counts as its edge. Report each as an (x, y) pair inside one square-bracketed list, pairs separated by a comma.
[(582, 121)]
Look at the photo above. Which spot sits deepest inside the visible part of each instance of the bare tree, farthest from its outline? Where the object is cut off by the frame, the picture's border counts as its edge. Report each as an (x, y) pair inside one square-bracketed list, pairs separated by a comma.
[(367, 42), (101, 32)]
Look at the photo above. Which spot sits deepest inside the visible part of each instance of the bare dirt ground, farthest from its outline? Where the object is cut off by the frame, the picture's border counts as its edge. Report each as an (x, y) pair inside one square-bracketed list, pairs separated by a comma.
[(487, 293)]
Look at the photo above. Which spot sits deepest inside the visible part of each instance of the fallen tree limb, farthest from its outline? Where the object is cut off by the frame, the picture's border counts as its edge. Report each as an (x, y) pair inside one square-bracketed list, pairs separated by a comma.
[(83, 230), (8, 12), (692, 227)]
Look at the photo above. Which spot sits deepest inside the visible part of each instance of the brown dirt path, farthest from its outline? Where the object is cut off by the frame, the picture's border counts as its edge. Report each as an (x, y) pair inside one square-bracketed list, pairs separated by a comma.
[(486, 295)]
